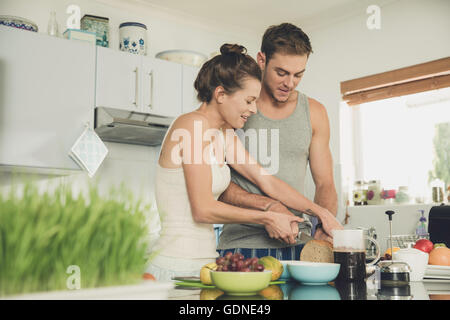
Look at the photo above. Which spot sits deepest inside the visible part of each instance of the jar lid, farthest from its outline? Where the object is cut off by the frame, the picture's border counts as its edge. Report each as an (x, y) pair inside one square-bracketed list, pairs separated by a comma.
[(133, 24), (389, 266)]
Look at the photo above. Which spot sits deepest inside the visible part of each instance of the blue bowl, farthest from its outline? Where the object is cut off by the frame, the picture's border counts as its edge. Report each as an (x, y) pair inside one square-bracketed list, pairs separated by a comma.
[(285, 275), (314, 273), (305, 292)]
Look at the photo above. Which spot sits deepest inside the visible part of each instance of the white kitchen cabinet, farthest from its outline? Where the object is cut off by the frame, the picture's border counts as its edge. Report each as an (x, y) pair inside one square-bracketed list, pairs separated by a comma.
[(190, 101), (118, 80), (46, 98), (138, 83), (161, 87)]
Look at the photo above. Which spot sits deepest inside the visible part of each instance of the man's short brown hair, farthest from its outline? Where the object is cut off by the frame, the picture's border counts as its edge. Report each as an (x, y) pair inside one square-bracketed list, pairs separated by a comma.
[(287, 39)]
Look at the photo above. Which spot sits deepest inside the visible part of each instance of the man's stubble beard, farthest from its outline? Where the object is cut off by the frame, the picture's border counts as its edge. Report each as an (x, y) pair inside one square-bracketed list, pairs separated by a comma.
[(272, 95)]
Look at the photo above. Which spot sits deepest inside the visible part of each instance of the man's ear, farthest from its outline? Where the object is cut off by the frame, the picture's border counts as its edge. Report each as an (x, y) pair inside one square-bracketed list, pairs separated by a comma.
[(219, 94), (261, 59)]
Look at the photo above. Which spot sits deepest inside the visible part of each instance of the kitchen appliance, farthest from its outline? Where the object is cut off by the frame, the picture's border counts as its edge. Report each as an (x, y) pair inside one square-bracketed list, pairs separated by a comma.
[(439, 224), (351, 290), (393, 273), (349, 250), (395, 293), (116, 125)]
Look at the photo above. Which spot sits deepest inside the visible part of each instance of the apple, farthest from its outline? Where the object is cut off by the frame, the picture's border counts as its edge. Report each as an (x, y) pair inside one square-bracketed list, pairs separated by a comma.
[(424, 245)]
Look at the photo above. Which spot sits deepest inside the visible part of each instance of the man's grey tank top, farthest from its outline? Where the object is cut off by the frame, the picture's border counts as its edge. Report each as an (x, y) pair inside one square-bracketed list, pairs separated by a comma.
[(286, 143)]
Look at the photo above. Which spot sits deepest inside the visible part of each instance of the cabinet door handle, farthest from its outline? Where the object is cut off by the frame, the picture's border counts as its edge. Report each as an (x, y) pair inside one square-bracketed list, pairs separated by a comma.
[(136, 93), (150, 105)]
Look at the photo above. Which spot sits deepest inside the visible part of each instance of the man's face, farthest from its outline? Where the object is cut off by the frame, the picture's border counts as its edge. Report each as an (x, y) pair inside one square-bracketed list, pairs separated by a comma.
[(282, 74)]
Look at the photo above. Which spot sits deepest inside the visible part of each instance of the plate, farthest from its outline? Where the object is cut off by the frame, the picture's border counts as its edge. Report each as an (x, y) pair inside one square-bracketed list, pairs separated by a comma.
[(187, 57), (18, 22), (187, 279), (437, 272)]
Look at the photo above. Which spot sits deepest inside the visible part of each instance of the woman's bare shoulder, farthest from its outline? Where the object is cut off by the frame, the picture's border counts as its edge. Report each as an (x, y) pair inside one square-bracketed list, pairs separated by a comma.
[(189, 121)]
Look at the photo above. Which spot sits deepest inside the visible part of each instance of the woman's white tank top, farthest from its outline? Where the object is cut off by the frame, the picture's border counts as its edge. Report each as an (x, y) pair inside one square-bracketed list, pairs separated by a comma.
[(181, 236)]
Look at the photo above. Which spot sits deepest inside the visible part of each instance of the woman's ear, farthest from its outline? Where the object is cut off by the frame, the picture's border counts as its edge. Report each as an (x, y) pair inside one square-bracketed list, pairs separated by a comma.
[(261, 59), (219, 94)]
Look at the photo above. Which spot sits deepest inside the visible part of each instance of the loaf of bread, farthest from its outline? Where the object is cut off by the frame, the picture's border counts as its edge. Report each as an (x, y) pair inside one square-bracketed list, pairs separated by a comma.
[(317, 251)]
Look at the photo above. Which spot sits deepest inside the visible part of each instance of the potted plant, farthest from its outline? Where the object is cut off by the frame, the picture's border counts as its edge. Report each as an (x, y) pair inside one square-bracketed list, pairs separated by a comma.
[(58, 246)]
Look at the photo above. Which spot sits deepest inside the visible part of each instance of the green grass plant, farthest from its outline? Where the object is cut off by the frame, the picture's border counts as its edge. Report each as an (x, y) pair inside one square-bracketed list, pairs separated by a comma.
[(43, 233)]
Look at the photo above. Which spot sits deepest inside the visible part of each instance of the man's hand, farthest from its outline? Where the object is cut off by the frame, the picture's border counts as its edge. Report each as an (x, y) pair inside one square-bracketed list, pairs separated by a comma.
[(321, 235), (330, 223)]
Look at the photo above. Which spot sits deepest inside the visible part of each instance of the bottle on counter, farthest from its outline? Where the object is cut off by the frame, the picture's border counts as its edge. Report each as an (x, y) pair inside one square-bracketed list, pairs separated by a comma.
[(374, 192), (422, 226)]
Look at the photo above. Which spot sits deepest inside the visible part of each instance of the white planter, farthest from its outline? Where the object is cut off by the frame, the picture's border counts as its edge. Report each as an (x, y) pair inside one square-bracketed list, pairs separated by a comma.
[(148, 290)]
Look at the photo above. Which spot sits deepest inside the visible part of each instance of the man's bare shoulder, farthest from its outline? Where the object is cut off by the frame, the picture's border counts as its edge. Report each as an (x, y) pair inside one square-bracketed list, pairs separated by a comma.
[(316, 107), (318, 114)]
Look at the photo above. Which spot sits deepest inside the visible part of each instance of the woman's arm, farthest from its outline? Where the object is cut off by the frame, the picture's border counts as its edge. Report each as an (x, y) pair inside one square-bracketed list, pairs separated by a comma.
[(198, 178), (273, 186)]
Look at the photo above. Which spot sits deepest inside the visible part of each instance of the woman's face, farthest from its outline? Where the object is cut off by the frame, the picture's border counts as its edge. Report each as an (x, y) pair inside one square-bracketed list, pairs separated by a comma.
[(235, 108)]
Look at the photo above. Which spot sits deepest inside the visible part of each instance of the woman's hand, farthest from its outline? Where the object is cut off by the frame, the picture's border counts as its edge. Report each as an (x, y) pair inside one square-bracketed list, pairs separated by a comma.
[(282, 226)]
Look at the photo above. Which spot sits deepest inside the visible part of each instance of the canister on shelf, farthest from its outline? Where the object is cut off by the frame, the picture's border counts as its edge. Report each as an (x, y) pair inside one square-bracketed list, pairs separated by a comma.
[(99, 25), (358, 193), (133, 37), (374, 192), (402, 196)]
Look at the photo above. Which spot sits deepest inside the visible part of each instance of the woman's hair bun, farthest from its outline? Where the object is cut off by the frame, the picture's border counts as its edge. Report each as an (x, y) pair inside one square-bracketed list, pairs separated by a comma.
[(232, 49)]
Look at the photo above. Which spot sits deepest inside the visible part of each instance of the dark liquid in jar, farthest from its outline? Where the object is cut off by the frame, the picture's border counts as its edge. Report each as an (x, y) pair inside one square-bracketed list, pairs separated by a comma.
[(353, 265)]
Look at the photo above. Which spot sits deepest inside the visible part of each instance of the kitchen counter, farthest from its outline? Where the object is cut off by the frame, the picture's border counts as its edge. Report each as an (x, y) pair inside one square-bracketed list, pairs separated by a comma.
[(428, 289)]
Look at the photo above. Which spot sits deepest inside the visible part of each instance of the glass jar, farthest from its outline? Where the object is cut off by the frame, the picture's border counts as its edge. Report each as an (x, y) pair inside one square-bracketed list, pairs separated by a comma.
[(358, 193), (402, 196), (374, 192)]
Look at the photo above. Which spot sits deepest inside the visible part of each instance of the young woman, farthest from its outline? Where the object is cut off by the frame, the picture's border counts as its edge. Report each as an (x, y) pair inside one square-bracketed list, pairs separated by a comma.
[(193, 170)]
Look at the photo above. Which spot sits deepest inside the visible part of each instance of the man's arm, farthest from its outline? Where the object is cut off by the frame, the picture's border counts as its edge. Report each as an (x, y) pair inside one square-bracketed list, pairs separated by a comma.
[(237, 196), (321, 162), (320, 159)]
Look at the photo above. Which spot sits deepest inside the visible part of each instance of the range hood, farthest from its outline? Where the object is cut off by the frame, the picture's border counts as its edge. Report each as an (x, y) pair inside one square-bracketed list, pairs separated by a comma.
[(123, 126)]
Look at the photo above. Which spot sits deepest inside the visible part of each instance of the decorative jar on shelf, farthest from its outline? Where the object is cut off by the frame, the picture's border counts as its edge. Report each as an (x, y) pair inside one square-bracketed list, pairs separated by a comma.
[(374, 192), (402, 196), (133, 37), (359, 196), (99, 25)]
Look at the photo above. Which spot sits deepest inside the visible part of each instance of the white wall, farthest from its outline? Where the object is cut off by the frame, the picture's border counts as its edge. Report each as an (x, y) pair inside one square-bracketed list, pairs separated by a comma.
[(133, 165), (412, 32), (404, 221)]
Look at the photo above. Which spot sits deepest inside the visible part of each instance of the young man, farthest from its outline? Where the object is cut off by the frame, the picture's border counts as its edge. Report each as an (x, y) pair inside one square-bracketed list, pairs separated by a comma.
[(303, 129)]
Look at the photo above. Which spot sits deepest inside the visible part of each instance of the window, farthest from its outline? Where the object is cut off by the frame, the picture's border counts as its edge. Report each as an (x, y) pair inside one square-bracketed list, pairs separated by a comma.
[(403, 141), (395, 127)]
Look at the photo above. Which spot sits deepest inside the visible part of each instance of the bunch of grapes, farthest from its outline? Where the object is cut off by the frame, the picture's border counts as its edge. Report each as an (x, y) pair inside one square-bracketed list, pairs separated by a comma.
[(236, 262)]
